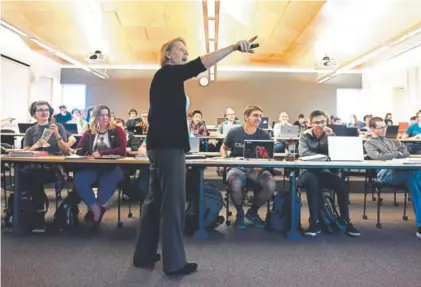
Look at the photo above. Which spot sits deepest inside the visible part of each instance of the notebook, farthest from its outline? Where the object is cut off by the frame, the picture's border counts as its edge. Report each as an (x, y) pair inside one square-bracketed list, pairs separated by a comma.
[(258, 149), (265, 123), (345, 148), (289, 131)]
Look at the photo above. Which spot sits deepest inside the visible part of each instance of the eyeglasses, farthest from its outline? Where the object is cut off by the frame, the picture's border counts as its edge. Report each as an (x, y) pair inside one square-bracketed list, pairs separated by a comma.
[(381, 128), (319, 122), (42, 110)]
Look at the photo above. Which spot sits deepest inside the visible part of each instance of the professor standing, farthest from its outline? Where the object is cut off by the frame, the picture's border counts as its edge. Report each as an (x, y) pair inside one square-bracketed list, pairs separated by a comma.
[(168, 141)]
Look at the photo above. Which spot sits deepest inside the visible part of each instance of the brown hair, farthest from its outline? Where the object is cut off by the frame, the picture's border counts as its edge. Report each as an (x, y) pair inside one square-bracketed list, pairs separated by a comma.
[(373, 121), (166, 48), (317, 113), (250, 109), (93, 124)]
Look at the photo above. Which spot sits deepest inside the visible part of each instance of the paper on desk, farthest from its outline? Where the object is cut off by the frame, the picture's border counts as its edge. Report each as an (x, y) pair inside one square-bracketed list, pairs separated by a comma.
[(408, 160), (315, 157)]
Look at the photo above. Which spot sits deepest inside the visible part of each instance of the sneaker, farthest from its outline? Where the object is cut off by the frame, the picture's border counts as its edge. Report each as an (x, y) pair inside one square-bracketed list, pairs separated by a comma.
[(187, 269), (313, 230), (146, 263), (418, 234), (255, 219), (351, 230), (239, 222)]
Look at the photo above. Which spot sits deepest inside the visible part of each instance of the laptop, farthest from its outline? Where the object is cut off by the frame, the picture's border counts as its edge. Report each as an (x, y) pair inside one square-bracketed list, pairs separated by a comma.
[(24, 126), (137, 130), (71, 128), (392, 132), (289, 131), (226, 128), (219, 121), (352, 132), (258, 149), (265, 123), (344, 131), (194, 144), (345, 148)]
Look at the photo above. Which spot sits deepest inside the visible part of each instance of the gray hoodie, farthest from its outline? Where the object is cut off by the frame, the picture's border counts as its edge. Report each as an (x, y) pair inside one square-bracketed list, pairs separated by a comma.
[(382, 148)]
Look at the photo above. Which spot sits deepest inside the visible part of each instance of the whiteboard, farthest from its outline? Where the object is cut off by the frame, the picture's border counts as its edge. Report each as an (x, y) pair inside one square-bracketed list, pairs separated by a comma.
[(14, 90)]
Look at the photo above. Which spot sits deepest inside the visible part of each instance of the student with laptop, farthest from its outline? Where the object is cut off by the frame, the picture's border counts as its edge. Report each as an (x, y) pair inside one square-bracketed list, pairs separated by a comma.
[(312, 142), (283, 121), (379, 147), (230, 120), (414, 131), (239, 177)]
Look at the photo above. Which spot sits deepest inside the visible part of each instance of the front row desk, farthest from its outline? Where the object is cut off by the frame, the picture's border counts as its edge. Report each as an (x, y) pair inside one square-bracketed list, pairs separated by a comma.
[(201, 164)]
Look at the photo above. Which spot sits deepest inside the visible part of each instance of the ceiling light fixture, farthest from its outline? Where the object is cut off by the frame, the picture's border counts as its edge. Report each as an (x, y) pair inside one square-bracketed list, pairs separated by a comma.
[(211, 8), (13, 29), (211, 46), (211, 29)]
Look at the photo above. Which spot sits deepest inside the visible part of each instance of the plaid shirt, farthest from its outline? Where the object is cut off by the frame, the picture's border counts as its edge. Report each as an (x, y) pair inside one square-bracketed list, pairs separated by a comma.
[(199, 129)]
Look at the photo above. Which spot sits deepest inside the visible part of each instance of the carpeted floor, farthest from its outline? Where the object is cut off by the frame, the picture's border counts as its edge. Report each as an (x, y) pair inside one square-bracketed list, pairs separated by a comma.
[(251, 257)]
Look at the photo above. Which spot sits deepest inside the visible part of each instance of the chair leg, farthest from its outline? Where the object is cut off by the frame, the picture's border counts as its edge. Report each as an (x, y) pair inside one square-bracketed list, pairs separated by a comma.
[(378, 224), (120, 194), (365, 203), (228, 212), (405, 206), (395, 203)]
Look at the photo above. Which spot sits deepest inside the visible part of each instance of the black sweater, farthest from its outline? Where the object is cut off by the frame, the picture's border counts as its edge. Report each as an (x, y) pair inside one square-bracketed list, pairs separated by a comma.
[(167, 110)]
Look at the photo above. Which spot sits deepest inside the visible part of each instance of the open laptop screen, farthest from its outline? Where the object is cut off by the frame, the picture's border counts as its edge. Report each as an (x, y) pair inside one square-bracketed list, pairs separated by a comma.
[(345, 148), (258, 149)]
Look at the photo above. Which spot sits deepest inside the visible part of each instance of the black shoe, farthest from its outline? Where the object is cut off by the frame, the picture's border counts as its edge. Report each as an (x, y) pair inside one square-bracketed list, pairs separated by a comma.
[(313, 230), (146, 264), (186, 270), (351, 230), (418, 234)]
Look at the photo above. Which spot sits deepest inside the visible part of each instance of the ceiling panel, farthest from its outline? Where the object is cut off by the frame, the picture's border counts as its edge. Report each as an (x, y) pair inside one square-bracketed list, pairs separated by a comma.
[(291, 33)]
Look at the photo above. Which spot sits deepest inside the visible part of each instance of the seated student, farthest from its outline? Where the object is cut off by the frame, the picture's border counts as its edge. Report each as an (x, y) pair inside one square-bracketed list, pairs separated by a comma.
[(381, 148), (412, 120), (414, 131), (230, 120), (133, 118), (366, 126), (238, 177), (64, 116), (197, 125), (102, 138), (77, 119), (144, 117), (34, 176), (312, 142), (336, 121), (283, 121), (133, 142)]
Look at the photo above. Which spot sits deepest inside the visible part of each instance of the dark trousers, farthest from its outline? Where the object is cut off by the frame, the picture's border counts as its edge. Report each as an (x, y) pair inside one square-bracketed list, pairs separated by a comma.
[(32, 182), (165, 204), (313, 181)]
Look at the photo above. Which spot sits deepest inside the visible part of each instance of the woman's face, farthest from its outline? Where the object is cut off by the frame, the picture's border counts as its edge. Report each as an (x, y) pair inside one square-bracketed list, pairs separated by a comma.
[(133, 115), (42, 113), (197, 118), (144, 118), (389, 117), (283, 117), (76, 115), (178, 54), (104, 118), (352, 120)]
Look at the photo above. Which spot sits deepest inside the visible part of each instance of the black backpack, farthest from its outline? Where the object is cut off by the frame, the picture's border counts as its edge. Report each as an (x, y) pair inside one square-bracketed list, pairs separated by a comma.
[(329, 219), (27, 210), (67, 214), (213, 203), (279, 218)]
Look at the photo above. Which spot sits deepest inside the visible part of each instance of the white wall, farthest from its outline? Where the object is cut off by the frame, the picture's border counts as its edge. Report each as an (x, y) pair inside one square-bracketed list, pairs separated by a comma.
[(45, 73)]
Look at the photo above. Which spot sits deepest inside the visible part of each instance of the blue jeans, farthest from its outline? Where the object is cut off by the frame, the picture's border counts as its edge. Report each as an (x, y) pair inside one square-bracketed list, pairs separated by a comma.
[(409, 178), (142, 182), (107, 181)]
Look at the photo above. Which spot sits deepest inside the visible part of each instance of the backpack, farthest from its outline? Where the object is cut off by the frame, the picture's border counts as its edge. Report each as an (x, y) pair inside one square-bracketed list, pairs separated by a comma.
[(67, 214), (329, 219), (27, 210), (279, 218), (213, 203)]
